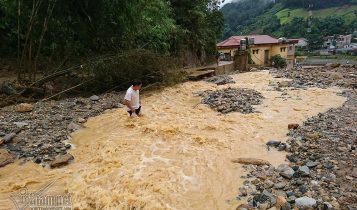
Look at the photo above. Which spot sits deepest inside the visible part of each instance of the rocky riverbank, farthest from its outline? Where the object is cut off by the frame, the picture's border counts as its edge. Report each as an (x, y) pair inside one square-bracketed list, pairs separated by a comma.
[(221, 80), (39, 132), (322, 168), (322, 77), (321, 172)]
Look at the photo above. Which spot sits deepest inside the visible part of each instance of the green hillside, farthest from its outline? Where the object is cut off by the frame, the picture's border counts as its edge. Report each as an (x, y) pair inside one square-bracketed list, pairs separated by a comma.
[(287, 18), (347, 12)]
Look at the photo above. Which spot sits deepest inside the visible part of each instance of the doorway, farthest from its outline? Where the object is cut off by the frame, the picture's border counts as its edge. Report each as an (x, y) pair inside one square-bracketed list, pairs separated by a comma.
[(266, 57)]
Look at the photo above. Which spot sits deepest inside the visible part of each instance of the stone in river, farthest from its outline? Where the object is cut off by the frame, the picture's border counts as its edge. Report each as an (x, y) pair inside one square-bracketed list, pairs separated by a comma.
[(293, 126), (61, 160), (273, 143), (282, 147), (6, 157), (305, 202)]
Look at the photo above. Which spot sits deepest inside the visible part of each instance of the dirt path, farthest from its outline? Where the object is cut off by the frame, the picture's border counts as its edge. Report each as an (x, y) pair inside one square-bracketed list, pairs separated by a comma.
[(175, 156)]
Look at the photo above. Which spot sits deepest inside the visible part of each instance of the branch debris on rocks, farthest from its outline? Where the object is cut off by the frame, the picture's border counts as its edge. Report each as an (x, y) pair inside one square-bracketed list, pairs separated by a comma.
[(232, 100)]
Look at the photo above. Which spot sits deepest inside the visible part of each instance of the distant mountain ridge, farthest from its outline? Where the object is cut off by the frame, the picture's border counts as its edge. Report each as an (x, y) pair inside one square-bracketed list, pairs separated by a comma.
[(289, 17)]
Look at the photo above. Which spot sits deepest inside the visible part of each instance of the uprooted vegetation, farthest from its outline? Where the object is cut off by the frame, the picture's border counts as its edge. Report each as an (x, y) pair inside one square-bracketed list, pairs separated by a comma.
[(98, 75)]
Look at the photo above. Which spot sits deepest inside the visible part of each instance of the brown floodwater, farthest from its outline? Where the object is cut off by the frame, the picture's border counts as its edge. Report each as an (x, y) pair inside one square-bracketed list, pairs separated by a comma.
[(177, 156)]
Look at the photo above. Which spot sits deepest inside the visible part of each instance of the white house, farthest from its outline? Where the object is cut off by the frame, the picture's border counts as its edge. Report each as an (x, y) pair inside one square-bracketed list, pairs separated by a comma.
[(337, 42), (302, 42)]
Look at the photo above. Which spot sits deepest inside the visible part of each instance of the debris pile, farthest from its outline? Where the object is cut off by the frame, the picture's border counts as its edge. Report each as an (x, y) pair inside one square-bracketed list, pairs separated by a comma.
[(232, 100), (322, 169), (322, 77), (38, 131)]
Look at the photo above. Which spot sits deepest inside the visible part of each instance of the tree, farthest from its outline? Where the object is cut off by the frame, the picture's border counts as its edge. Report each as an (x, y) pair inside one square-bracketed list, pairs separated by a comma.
[(315, 40), (49, 32), (200, 24)]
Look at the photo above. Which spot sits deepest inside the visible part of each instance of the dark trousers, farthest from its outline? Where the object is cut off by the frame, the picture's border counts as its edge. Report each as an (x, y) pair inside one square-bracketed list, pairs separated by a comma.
[(137, 111)]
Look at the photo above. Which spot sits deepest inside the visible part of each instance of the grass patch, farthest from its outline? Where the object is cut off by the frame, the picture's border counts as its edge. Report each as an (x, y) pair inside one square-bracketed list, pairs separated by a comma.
[(347, 12)]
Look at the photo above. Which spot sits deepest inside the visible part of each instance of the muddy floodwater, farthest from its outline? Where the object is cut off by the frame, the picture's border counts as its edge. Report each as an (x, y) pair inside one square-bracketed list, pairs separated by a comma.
[(177, 156)]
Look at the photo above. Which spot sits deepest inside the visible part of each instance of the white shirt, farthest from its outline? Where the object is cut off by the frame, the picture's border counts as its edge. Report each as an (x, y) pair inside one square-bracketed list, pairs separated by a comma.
[(133, 97)]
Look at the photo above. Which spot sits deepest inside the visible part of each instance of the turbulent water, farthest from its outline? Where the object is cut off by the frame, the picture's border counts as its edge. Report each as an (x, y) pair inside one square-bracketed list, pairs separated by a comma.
[(177, 156)]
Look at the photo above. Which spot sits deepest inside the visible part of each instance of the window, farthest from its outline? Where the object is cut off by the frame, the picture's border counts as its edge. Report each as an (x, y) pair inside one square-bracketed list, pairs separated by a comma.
[(282, 49), (255, 52)]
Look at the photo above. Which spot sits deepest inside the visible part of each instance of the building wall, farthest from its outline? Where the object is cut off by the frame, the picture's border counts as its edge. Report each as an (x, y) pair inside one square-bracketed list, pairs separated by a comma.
[(274, 49), (341, 41), (225, 69), (281, 49), (302, 43), (258, 52), (258, 56)]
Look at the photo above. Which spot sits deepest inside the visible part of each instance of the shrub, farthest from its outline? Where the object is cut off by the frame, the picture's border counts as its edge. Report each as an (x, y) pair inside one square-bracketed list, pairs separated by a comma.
[(278, 61), (117, 71)]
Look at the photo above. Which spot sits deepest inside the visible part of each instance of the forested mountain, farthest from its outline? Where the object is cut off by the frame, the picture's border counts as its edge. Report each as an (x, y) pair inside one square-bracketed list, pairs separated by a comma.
[(240, 14), (289, 18), (317, 4)]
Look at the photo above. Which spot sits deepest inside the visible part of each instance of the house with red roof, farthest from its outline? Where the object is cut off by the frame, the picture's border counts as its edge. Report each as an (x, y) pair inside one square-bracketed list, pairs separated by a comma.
[(261, 48)]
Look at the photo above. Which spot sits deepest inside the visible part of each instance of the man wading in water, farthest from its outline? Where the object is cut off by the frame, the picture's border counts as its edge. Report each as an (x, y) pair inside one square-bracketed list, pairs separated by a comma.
[(131, 99)]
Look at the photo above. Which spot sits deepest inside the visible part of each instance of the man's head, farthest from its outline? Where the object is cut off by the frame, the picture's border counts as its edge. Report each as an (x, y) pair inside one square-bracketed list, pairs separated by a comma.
[(136, 84)]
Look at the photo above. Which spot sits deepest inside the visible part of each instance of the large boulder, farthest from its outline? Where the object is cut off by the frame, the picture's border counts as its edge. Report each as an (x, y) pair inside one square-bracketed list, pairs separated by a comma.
[(6, 157), (24, 107), (285, 171), (273, 143), (305, 202), (61, 160), (304, 170)]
